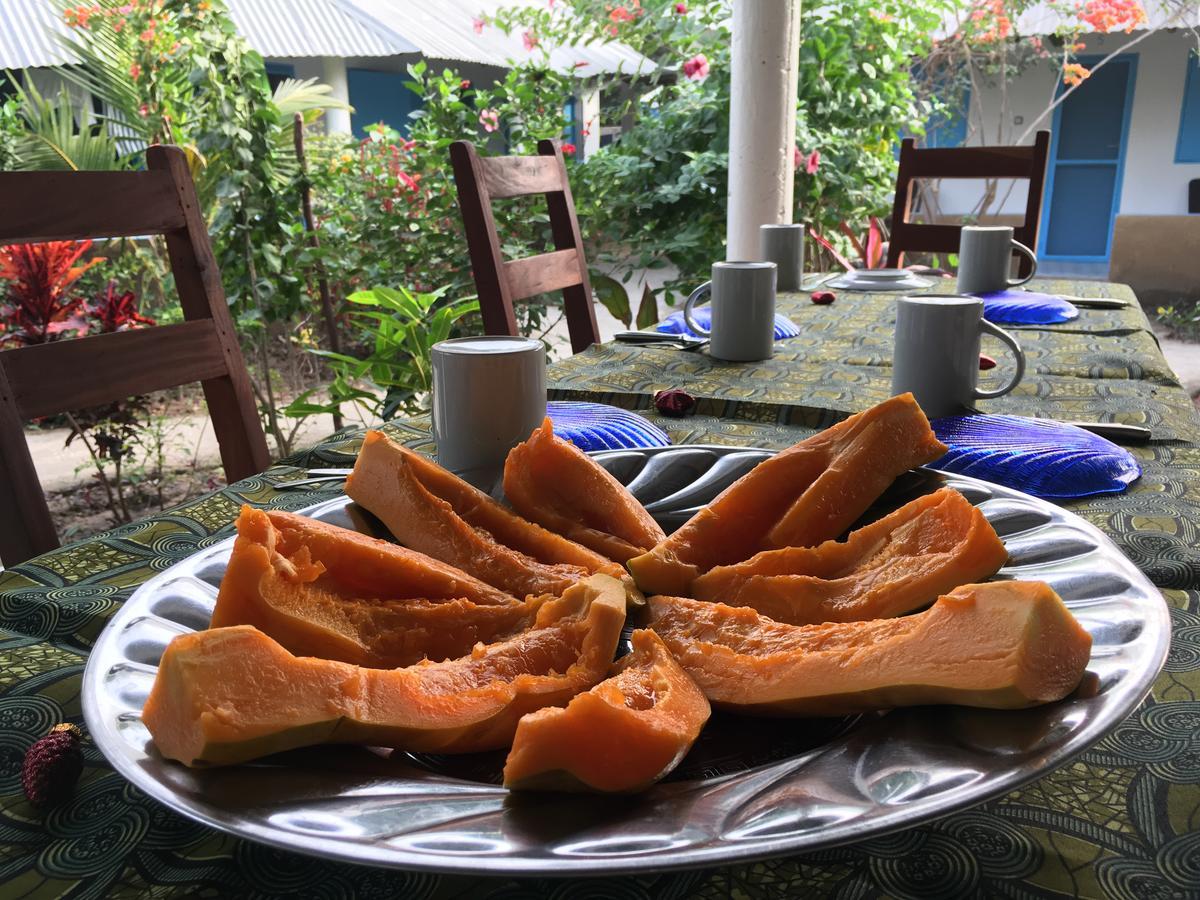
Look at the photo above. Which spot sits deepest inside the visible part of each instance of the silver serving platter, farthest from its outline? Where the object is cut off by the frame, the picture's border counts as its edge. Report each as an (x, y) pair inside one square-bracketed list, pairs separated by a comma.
[(751, 788)]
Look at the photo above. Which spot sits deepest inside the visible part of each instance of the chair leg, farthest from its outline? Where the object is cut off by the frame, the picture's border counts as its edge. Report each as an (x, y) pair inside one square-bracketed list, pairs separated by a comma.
[(26, 529)]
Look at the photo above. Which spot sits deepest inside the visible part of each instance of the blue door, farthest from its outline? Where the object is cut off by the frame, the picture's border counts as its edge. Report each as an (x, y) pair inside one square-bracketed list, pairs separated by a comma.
[(380, 97), (1087, 163)]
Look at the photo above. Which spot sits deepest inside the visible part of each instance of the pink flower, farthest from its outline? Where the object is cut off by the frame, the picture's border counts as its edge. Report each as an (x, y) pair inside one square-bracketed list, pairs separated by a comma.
[(696, 68), (490, 120), (681, 9), (797, 158), (478, 24), (568, 148), (143, 110), (134, 71), (814, 160), (529, 39)]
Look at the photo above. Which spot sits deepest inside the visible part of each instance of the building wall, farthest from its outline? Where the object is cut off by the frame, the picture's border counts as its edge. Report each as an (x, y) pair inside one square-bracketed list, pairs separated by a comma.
[(1153, 184)]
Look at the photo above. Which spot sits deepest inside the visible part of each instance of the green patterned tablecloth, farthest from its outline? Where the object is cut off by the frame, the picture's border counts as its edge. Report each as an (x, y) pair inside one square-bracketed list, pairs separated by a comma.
[(1121, 821)]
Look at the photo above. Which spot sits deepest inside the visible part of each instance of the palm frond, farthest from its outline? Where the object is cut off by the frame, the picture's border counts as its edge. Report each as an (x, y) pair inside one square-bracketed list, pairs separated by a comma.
[(55, 141), (298, 95)]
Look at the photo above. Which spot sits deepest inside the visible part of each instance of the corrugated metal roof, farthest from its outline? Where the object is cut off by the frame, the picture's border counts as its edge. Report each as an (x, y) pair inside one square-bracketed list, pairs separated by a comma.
[(312, 28), (272, 27), (444, 29), (438, 29), (27, 29)]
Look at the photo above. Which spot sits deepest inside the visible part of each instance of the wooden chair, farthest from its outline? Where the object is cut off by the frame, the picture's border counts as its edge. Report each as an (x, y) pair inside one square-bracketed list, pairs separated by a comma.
[(480, 180), (1026, 162), (53, 378)]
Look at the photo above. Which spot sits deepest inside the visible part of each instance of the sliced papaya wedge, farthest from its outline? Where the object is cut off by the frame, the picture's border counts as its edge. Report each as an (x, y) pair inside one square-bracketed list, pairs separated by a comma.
[(899, 563), (809, 493), (1000, 645), (621, 736), (552, 482), (328, 592), (436, 513), (228, 695)]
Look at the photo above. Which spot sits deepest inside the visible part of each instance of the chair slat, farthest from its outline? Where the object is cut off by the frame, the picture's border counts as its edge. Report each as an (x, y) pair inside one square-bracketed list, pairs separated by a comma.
[(100, 369), (540, 274), (516, 176), (59, 206), (971, 162)]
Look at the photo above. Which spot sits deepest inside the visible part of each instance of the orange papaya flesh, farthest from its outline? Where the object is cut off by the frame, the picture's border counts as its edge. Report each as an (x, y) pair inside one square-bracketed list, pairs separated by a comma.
[(552, 482), (331, 595), (899, 563), (1000, 645), (476, 508), (621, 736), (385, 483), (807, 494), (228, 695)]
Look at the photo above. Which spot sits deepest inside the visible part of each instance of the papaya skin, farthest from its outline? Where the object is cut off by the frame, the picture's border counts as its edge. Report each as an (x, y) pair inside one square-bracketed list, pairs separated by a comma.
[(805, 495), (552, 482), (899, 563), (341, 595), (434, 512), (999, 645), (228, 695), (621, 736)]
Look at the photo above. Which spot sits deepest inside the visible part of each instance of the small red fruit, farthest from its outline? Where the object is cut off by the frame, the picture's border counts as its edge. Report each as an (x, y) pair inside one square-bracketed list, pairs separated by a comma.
[(823, 298), (53, 765), (986, 362), (674, 403)]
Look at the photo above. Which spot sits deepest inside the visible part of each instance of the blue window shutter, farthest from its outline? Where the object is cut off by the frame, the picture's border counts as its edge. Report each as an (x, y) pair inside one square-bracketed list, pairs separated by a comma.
[(1187, 149), (380, 97)]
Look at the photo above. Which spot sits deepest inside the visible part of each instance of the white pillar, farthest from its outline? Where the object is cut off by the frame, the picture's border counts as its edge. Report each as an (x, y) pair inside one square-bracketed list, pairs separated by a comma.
[(762, 120), (588, 108), (333, 73)]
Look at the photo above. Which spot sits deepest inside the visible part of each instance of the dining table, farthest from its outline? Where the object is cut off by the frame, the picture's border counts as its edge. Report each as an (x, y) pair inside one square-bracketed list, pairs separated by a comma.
[(1120, 820)]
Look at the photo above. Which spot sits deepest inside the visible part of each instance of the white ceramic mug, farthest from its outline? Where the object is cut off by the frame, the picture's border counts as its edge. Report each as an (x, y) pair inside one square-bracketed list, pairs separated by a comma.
[(489, 394), (985, 259), (784, 246), (936, 356), (743, 310)]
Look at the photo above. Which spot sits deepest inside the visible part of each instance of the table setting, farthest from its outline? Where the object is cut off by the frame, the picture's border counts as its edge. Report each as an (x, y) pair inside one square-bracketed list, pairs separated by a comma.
[(646, 501)]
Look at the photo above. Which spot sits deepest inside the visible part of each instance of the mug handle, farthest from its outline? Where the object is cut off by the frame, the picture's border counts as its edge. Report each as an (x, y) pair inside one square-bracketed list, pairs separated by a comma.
[(1025, 251), (987, 326), (703, 291)]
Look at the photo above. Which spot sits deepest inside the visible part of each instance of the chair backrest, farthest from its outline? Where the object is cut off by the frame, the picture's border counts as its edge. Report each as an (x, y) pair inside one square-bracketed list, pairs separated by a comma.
[(1025, 162), (499, 283), (53, 378)]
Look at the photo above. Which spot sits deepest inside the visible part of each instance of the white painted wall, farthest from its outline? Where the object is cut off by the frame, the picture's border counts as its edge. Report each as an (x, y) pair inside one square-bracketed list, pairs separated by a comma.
[(1154, 184)]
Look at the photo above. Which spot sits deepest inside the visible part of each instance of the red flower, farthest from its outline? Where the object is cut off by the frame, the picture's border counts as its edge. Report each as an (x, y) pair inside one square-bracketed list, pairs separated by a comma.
[(568, 149), (116, 312), (38, 308), (135, 71), (814, 160), (696, 68), (465, 84), (681, 9)]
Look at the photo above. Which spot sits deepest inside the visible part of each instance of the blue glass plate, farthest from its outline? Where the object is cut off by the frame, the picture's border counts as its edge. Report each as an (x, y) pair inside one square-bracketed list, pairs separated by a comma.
[(674, 324), (598, 426), (1040, 457), (1026, 308)]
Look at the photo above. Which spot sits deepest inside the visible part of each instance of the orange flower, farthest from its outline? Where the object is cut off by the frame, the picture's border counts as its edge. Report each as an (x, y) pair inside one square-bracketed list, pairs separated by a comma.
[(1074, 73)]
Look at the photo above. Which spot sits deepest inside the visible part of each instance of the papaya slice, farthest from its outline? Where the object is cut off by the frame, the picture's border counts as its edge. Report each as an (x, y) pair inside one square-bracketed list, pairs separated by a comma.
[(621, 736), (1000, 645), (228, 695), (902, 562), (325, 591), (809, 493), (436, 513), (552, 482)]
